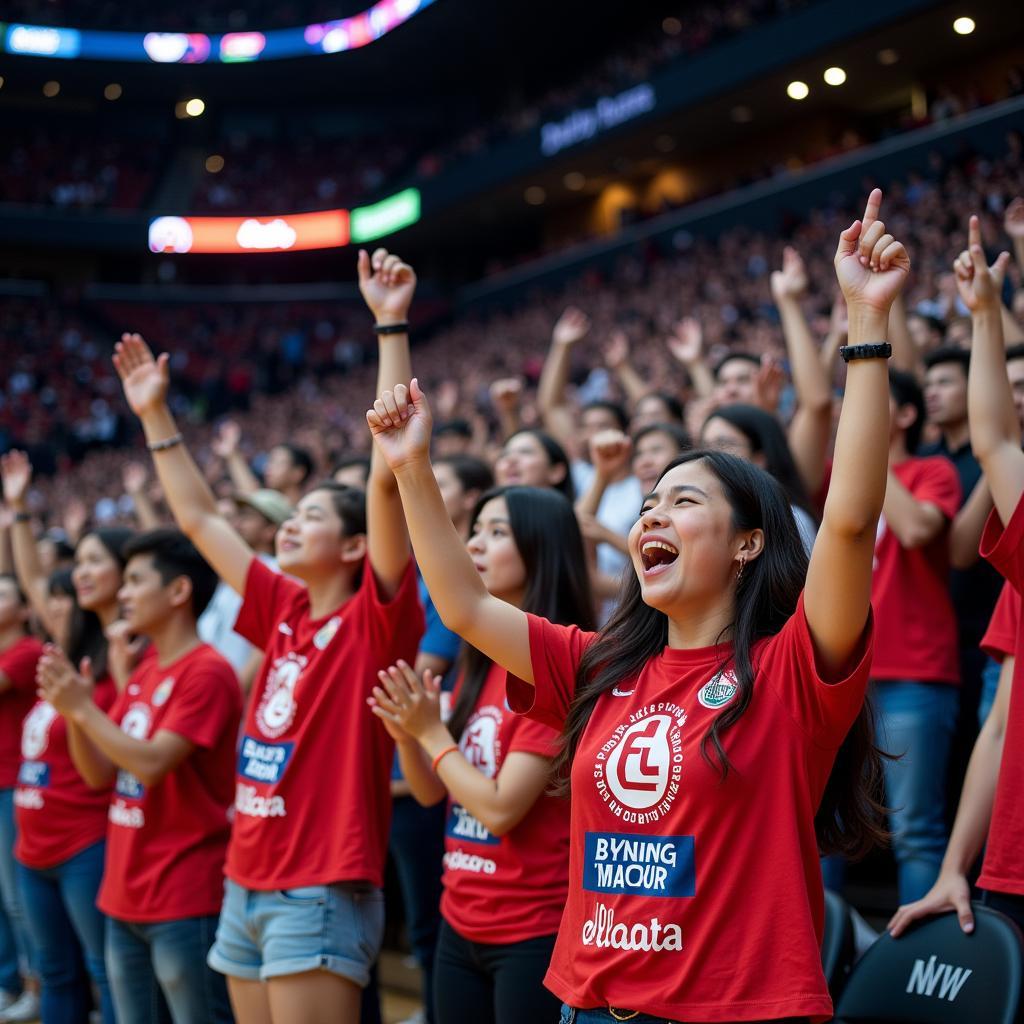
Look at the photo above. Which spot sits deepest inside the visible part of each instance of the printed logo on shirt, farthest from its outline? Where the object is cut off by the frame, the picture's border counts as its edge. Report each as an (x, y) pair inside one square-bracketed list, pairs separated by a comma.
[(638, 770), (30, 799), (127, 817), (250, 802), (162, 692), (462, 825), (284, 629), (603, 931), (137, 720), (264, 762), (616, 692), (34, 773), (480, 742), (134, 689), (459, 860), (277, 706), (326, 633), (35, 730), (129, 786), (639, 865), (717, 692)]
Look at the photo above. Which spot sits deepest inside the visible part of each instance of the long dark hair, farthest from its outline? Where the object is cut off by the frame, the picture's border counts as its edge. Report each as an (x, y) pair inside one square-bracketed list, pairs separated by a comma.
[(86, 638), (548, 539), (850, 819), (768, 439), (556, 456)]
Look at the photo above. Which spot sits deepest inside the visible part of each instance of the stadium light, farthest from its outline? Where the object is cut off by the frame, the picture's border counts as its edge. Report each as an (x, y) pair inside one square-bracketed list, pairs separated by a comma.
[(535, 195), (964, 26), (215, 163), (834, 76), (112, 91), (574, 181), (888, 56), (51, 89), (194, 107), (797, 90)]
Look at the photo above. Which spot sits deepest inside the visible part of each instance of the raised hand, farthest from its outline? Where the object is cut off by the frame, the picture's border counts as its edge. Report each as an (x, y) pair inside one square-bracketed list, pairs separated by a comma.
[(229, 436), (447, 398), (506, 394), (616, 352), (979, 285), (609, 452), (686, 342), (16, 474), (1013, 221), (123, 650), (59, 683), (407, 706), (145, 380), (571, 327), (401, 424), (387, 284), (791, 281), (950, 892), (76, 515), (768, 384), (871, 265), (134, 477)]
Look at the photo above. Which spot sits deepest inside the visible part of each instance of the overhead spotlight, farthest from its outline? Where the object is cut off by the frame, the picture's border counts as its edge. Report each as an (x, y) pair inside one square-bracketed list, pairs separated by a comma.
[(51, 89), (112, 91), (887, 56), (215, 163), (535, 195), (741, 114), (574, 181), (672, 26), (834, 76), (194, 107), (797, 90), (964, 26)]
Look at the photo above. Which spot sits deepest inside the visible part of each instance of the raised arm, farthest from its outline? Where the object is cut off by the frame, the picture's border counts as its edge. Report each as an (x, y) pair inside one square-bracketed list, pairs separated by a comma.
[(401, 423), (811, 426), (871, 267), (555, 411), (995, 430), (506, 394), (616, 358), (904, 352), (968, 526), (387, 285), (134, 479), (192, 504), (1013, 224), (226, 446), (686, 344)]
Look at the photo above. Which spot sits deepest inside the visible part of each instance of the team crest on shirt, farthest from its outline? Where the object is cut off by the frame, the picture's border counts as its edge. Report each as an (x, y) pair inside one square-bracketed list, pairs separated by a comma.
[(162, 692), (277, 708), (137, 720), (327, 632), (480, 743), (717, 692), (35, 730), (638, 770)]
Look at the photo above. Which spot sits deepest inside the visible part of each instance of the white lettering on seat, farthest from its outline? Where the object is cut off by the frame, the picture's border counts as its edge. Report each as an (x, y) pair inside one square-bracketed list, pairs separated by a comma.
[(926, 977)]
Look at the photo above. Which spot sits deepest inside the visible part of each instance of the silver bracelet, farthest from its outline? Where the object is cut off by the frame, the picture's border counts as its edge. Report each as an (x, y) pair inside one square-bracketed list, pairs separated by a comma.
[(162, 446)]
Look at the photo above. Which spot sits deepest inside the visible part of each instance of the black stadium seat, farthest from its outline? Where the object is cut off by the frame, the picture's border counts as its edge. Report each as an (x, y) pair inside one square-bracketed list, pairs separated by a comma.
[(837, 943), (935, 974)]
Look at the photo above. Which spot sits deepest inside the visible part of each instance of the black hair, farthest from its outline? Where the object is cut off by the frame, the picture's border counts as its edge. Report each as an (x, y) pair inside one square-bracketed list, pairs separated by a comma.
[(850, 818), (949, 354), (174, 555), (349, 505), (933, 322), (548, 539), (905, 390), (459, 427), (301, 457), (673, 406), (679, 434), (86, 638), (60, 582), (348, 461), (747, 357), (556, 456), (472, 473), (9, 577), (617, 410), (767, 438), (1015, 352)]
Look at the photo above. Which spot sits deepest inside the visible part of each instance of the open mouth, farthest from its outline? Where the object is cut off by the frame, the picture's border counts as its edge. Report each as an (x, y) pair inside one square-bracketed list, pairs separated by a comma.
[(656, 554)]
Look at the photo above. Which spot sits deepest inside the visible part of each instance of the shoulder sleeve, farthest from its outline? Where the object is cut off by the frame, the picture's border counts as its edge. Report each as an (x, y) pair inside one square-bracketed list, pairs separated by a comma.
[(939, 485), (205, 702), (555, 652), (393, 628), (824, 709), (18, 664), (1000, 638), (267, 594), (1004, 547)]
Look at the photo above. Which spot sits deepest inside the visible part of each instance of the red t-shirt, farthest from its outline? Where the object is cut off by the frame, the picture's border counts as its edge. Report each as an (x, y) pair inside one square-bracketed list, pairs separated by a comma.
[(1003, 867), (1001, 636), (18, 664), (57, 814), (312, 801), (915, 624), (524, 872), (691, 897), (166, 843)]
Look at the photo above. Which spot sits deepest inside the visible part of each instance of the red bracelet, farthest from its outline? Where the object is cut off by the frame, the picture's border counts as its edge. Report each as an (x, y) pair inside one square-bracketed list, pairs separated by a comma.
[(440, 757)]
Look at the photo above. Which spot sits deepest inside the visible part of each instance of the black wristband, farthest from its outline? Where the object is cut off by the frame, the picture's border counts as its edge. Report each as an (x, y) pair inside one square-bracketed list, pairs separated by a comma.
[(402, 328), (22, 517), (879, 350)]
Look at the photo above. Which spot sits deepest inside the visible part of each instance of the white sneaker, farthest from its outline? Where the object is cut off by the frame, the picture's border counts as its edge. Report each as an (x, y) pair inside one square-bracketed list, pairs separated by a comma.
[(24, 1008)]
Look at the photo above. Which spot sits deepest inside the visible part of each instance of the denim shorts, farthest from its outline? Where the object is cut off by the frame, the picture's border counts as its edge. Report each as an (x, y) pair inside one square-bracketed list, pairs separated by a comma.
[(268, 934)]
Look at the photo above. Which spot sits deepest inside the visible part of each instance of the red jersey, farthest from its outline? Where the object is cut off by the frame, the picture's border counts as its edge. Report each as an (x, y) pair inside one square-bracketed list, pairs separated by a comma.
[(693, 897), (524, 872), (57, 814), (166, 842), (312, 800), (18, 665), (1001, 636), (1003, 867), (915, 624)]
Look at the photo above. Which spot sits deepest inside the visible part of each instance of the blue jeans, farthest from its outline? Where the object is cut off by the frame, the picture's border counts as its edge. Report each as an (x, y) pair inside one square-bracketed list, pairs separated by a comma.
[(158, 972), (67, 930), (916, 721), (989, 686), (16, 947)]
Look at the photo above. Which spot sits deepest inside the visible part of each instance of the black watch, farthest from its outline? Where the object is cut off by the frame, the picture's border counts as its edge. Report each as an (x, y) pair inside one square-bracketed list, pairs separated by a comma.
[(878, 350)]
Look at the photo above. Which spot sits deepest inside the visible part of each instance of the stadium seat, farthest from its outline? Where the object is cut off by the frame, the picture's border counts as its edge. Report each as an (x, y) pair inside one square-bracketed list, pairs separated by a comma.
[(935, 974), (838, 949)]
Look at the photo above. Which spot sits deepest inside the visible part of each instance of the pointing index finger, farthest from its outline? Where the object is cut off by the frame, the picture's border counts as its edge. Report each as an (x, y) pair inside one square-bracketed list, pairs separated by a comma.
[(872, 209)]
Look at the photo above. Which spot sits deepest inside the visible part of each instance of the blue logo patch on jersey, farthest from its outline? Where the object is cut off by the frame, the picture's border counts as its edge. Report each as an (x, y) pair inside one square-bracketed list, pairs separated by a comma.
[(462, 825), (129, 787), (638, 865), (34, 773), (264, 762)]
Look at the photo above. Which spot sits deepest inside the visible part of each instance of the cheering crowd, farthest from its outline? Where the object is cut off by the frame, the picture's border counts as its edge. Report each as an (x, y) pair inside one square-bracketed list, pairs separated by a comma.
[(618, 685)]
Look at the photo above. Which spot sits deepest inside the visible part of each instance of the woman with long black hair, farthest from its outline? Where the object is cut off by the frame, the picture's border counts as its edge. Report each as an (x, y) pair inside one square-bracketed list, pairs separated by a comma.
[(715, 732), (507, 842)]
